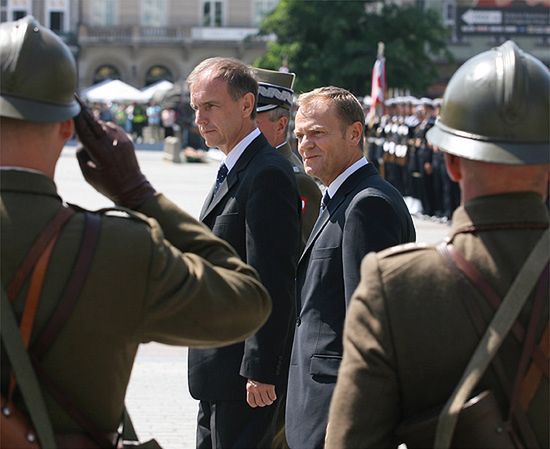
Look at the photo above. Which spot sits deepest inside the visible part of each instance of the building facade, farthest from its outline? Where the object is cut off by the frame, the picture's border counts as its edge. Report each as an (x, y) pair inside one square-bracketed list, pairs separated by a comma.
[(143, 41)]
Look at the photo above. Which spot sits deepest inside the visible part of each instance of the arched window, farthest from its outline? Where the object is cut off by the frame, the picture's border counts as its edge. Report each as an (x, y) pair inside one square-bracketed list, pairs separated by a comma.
[(158, 73), (106, 72)]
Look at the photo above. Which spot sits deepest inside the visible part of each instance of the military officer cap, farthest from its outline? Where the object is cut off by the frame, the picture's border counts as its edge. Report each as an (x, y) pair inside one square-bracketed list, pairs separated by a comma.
[(274, 89), (427, 102), (496, 109), (38, 73)]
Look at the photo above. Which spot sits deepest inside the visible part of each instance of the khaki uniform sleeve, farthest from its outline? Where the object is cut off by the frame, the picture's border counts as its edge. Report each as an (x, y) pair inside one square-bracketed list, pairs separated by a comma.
[(199, 292), (364, 411)]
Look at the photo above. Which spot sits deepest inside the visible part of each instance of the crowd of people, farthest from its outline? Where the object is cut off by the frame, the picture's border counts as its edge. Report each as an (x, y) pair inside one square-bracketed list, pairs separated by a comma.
[(340, 335), (159, 122)]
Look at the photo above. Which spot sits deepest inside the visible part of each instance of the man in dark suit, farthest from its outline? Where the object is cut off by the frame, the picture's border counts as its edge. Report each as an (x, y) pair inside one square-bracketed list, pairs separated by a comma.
[(273, 116), (361, 213), (416, 317), (255, 206)]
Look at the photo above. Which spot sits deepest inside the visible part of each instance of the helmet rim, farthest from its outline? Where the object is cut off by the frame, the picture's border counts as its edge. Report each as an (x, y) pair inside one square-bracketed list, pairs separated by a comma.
[(34, 111), (485, 150)]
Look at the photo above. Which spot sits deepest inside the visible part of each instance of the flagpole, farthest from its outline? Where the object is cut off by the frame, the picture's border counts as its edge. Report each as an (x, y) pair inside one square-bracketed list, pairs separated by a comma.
[(378, 85)]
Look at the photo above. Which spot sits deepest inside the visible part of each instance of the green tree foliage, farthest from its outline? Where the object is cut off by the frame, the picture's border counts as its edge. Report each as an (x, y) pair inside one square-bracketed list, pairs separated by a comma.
[(334, 42)]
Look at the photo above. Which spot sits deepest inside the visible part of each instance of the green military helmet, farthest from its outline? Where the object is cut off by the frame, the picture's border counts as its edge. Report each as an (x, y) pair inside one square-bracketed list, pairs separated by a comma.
[(496, 109), (38, 77)]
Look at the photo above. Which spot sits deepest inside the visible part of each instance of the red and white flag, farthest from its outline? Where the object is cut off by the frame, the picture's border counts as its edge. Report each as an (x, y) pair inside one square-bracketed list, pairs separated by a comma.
[(378, 86)]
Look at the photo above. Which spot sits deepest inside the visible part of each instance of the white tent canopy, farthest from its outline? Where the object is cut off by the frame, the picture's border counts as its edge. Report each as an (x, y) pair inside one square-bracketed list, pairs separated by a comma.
[(156, 88), (113, 90)]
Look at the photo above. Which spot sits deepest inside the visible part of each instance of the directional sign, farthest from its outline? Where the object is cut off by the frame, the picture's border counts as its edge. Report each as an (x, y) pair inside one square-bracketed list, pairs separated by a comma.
[(505, 21), (480, 16)]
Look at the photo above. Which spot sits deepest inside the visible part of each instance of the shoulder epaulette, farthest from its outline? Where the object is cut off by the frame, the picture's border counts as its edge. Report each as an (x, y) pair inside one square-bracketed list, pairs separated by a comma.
[(122, 212), (402, 249)]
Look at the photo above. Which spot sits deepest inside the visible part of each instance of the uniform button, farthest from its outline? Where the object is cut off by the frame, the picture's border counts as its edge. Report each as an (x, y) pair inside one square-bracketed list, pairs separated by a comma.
[(298, 321)]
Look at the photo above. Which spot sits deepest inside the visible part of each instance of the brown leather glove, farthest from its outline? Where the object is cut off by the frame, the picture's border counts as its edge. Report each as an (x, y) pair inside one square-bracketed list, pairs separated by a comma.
[(108, 161)]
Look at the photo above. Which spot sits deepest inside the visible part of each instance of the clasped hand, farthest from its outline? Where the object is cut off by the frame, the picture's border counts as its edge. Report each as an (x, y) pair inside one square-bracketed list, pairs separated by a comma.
[(259, 394)]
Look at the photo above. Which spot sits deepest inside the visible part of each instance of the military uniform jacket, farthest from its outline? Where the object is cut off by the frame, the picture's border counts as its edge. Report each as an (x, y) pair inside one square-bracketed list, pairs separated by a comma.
[(408, 333), (140, 288), (257, 211), (309, 191), (366, 214)]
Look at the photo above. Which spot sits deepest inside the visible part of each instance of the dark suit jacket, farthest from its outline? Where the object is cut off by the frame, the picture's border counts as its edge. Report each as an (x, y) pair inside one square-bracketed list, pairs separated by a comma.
[(257, 211), (409, 335), (366, 214)]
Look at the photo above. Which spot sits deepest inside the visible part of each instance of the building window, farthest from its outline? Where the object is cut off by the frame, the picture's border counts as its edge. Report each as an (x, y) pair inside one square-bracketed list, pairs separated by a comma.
[(56, 21), (106, 72), (3, 11), (153, 13), (262, 8), (104, 13), (212, 13), (15, 9), (158, 73), (57, 14)]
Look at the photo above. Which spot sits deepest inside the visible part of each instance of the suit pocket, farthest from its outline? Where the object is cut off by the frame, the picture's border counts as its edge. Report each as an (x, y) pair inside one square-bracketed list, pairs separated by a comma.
[(325, 365), (325, 253), (225, 219)]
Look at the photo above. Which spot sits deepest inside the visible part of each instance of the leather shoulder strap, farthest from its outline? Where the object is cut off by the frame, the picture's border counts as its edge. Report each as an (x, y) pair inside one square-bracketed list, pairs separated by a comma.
[(74, 287), (46, 235), (500, 326), (28, 383)]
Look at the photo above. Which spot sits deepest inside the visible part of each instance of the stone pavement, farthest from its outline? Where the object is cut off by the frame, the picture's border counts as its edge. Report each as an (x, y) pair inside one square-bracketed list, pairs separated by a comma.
[(158, 398)]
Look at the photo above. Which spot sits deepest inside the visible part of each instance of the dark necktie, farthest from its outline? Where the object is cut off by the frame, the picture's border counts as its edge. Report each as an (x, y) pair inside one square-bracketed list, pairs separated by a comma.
[(325, 201), (222, 174)]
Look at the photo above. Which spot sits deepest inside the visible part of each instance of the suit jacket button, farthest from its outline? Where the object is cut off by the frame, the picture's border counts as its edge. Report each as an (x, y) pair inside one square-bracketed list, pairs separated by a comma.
[(298, 321)]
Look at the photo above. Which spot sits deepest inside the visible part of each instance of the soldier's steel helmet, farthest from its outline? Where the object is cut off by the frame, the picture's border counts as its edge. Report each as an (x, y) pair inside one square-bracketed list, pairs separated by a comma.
[(38, 77), (496, 109)]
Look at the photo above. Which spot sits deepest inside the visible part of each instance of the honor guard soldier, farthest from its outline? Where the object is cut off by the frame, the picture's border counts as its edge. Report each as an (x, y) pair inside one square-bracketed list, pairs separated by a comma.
[(99, 283), (273, 116), (431, 327)]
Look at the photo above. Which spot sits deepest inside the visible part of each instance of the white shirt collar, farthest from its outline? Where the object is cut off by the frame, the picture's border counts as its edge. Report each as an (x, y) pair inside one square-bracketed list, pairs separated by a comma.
[(337, 183), (233, 156)]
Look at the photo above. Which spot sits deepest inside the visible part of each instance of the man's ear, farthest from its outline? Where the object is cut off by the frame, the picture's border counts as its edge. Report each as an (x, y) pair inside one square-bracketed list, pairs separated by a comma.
[(282, 122), (66, 129), (355, 133), (454, 168), (248, 102)]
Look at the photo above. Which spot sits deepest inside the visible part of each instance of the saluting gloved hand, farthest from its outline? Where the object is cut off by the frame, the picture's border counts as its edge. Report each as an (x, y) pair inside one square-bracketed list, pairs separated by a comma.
[(108, 161)]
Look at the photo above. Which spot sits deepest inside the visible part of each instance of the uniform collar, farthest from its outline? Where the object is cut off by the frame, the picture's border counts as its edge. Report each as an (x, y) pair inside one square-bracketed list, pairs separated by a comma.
[(507, 208), (26, 181)]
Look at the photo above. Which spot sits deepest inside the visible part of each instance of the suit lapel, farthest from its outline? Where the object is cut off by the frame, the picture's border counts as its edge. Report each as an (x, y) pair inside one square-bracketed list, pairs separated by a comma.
[(345, 189), (233, 176)]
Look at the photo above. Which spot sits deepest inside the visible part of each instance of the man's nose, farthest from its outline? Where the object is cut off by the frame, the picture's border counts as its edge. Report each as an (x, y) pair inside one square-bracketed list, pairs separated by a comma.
[(304, 144), (200, 118)]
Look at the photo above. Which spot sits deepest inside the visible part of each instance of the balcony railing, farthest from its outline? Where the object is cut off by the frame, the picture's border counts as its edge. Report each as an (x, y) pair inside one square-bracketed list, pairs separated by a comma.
[(141, 34)]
